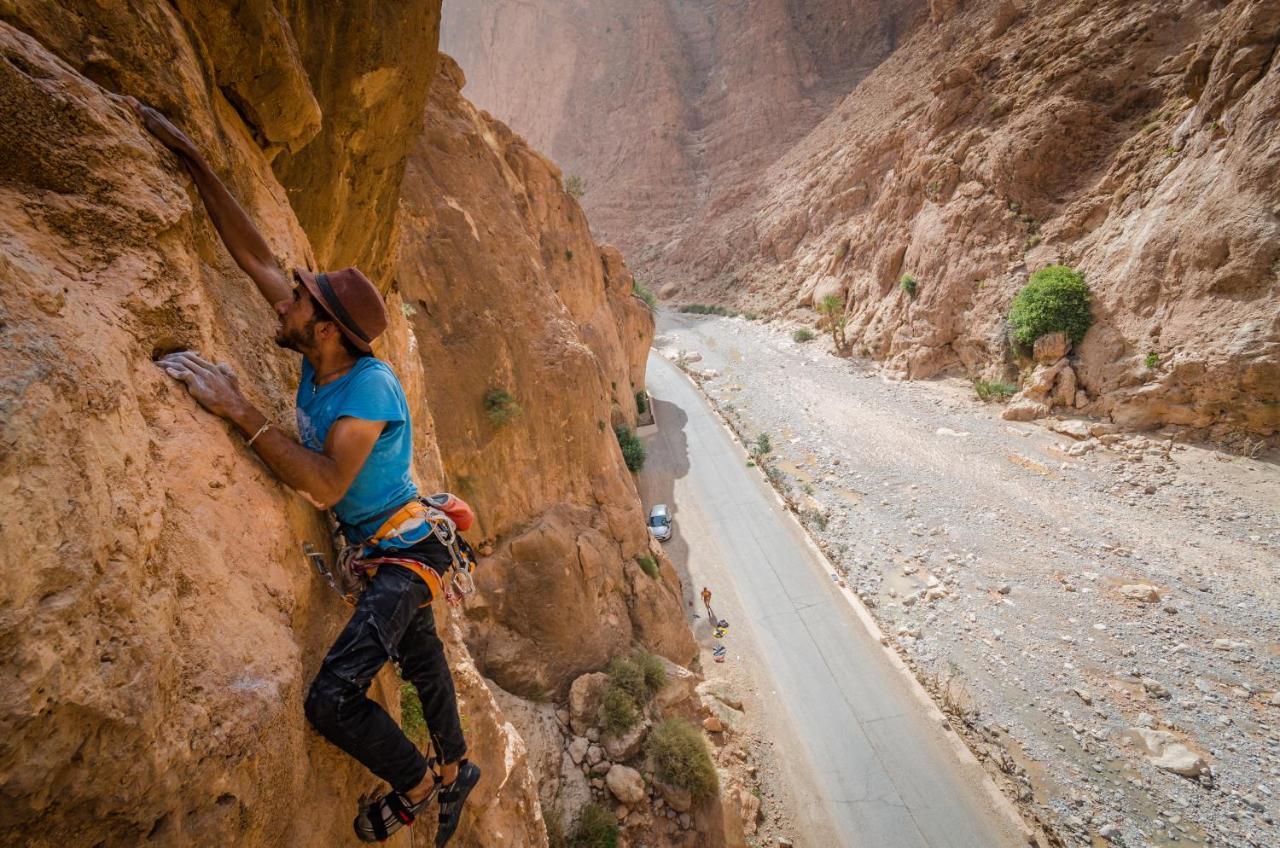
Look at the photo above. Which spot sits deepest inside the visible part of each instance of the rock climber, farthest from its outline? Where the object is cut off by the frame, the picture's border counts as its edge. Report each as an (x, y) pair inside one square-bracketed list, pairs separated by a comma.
[(354, 458)]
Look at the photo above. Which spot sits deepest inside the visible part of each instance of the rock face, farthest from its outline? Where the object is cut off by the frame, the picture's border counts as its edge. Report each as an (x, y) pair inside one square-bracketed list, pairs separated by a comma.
[(714, 92), (559, 596), (1135, 145), (160, 626)]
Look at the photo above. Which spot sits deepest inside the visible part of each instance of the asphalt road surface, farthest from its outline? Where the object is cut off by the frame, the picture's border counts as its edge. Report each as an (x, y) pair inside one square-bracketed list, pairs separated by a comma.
[(873, 768)]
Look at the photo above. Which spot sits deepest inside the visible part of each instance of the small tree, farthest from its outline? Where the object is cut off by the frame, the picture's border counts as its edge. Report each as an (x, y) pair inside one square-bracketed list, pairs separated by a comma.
[(910, 285), (501, 407), (833, 314), (1056, 299), (632, 448)]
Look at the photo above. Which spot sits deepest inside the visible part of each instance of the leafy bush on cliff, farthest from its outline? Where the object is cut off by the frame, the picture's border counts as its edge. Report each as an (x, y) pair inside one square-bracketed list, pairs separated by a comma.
[(679, 757), (646, 294), (618, 711), (648, 565), (1055, 300), (642, 401), (910, 285), (501, 407), (632, 448), (575, 186)]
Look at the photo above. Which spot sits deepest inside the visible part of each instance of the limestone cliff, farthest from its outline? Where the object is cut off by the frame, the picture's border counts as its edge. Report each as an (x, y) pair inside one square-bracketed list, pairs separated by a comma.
[(508, 292), (158, 625), (1135, 141), (668, 110)]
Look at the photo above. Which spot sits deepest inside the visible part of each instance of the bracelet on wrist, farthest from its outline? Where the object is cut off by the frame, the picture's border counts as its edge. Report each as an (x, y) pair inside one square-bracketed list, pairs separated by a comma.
[(261, 430)]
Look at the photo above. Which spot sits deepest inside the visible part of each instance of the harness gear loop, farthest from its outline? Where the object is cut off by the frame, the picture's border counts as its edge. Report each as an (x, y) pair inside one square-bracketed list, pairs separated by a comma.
[(456, 582)]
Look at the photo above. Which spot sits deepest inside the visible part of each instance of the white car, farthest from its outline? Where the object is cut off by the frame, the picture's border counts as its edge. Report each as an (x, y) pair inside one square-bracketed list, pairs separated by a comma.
[(660, 522)]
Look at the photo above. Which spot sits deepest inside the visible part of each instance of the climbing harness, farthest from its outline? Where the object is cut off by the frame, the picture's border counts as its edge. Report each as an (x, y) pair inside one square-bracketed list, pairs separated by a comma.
[(442, 515)]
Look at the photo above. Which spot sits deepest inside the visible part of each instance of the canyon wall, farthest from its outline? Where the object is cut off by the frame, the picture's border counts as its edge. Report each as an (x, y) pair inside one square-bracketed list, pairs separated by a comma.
[(1134, 141), (158, 625), (669, 110)]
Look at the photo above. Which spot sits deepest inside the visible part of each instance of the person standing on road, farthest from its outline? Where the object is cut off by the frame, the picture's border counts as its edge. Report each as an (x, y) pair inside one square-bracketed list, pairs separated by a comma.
[(354, 458), (706, 602)]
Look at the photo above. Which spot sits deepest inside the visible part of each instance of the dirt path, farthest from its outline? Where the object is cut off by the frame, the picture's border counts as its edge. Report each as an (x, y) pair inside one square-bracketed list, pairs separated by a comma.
[(998, 556)]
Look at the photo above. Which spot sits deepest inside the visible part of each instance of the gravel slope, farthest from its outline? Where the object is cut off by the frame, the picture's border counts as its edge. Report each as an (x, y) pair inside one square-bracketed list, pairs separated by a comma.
[(1098, 611)]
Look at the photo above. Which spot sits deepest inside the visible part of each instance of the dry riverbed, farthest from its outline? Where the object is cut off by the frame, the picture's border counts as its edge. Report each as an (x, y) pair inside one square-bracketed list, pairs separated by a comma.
[(1101, 613)]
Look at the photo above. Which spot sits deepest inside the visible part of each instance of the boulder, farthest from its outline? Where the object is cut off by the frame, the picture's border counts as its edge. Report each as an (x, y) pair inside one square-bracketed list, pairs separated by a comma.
[(1051, 347), (669, 291), (680, 688), (578, 749), (1167, 752), (585, 695), (1064, 389), (677, 798), (712, 724), (626, 784), (1075, 429), (1025, 408), (627, 745), (1143, 592)]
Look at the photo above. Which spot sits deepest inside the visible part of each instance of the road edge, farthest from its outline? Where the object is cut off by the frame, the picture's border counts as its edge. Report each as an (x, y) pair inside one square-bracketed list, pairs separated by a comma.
[(1004, 806)]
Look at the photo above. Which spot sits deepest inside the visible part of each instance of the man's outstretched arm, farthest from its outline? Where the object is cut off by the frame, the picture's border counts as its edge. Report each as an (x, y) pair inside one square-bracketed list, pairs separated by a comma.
[(322, 478), (246, 245)]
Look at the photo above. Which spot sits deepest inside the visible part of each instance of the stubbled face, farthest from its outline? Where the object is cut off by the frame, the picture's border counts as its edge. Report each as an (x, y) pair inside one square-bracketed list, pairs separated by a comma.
[(298, 317)]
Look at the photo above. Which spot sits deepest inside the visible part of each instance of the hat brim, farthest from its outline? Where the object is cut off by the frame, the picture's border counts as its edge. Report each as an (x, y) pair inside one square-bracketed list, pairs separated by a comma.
[(309, 280)]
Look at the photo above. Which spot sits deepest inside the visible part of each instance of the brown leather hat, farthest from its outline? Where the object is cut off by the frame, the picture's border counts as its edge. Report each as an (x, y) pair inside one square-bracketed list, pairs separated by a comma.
[(353, 303)]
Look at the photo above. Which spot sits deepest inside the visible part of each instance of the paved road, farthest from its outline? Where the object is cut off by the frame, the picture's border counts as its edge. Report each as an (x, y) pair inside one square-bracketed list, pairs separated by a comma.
[(885, 774)]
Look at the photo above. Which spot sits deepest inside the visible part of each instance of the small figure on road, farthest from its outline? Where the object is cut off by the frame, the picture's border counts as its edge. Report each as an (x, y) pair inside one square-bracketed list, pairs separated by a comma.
[(706, 602)]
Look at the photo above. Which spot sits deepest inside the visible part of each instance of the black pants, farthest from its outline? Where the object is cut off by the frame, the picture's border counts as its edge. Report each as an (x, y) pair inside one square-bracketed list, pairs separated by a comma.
[(388, 624)]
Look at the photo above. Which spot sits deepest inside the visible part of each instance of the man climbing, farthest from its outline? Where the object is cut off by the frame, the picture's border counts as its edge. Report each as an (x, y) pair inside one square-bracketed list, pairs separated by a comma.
[(354, 458)]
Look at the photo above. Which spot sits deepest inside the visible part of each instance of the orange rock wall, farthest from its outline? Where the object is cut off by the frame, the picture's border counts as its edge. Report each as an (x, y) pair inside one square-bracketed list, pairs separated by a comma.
[(158, 626), (508, 291)]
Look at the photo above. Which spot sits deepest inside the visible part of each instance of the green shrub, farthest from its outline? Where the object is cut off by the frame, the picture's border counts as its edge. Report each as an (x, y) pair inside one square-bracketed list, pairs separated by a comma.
[(910, 285), (596, 828), (994, 389), (619, 710), (642, 401), (679, 757), (704, 309), (762, 446), (802, 335), (1056, 299), (643, 292), (411, 720), (629, 677), (632, 448), (648, 565), (575, 186), (655, 673), (1151, 360), (501, 407)]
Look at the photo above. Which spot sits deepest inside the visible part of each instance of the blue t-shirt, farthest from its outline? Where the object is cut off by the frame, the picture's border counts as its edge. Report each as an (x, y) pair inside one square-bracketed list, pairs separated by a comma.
[(369, 391)]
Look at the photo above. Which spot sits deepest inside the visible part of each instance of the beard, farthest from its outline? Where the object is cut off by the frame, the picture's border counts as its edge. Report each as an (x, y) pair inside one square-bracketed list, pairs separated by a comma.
[(297, 340)]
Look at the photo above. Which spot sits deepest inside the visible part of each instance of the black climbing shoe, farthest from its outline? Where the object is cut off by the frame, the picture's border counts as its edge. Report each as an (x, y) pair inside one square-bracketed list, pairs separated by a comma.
[(452, 797), (384, 815)]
